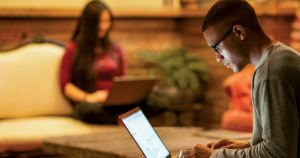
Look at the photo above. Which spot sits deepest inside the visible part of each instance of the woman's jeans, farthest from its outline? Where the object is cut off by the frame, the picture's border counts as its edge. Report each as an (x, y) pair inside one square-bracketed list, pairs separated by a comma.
[(96, 114)]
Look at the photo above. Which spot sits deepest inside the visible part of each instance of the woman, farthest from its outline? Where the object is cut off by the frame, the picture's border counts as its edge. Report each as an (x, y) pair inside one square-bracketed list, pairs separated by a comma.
[(90, 62)]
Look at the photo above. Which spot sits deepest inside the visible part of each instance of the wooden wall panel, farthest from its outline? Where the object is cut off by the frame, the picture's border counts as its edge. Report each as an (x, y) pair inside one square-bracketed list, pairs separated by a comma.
[(18, 29), (140, 24), (135, 34), (278, 27), (37, 25)]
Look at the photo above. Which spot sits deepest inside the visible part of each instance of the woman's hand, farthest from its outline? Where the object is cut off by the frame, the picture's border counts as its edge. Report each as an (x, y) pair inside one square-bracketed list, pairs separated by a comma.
[(78, 95), (96, 97)]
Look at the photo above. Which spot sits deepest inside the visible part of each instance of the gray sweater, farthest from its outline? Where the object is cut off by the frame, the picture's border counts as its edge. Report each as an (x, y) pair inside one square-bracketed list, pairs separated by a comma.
[(275, 97)]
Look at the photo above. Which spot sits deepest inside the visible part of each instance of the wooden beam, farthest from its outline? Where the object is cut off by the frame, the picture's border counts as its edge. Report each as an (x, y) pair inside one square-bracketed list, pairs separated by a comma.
[(261, 10)]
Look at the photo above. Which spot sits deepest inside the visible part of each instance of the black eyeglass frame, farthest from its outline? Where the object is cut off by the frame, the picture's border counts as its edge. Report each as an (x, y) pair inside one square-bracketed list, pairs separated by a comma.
[(215, 45)]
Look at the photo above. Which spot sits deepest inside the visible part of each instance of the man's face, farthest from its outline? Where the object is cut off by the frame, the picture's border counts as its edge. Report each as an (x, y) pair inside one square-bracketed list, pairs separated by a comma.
[(228, 48)]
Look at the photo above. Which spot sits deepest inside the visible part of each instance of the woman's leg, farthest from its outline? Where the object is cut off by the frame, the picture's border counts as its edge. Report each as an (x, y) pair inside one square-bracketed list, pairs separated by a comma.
[(95, 114)]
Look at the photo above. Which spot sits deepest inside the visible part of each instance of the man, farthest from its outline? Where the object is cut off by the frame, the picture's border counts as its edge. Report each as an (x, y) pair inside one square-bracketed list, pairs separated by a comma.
[(232, 30)]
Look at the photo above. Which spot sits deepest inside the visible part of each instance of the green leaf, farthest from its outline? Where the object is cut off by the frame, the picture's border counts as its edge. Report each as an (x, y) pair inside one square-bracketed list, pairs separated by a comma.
[(182, 52), (198, 66), (181, 76), (192, 57), (167, 65), (152, 72), (145, 55), (170, 82), (193, 80), (178, 63), (166, 54), (205, 76), (179, 68)]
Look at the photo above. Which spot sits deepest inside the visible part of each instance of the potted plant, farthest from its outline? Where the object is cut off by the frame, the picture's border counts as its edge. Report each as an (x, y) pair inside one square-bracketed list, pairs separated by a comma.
[(183, 75)]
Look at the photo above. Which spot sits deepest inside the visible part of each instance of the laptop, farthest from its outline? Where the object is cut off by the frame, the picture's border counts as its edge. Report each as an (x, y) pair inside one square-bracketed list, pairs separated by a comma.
[(128, 90), (144, 135)]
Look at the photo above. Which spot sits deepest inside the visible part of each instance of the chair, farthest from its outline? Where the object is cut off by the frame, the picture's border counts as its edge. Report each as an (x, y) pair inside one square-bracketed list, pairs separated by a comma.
[(238, 89)]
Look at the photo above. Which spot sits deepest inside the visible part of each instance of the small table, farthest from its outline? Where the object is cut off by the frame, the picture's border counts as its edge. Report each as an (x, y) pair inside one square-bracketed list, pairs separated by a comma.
[(119, 143)]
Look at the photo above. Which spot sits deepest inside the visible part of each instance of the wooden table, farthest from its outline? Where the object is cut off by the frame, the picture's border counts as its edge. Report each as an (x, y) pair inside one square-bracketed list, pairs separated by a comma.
[(116, 144)]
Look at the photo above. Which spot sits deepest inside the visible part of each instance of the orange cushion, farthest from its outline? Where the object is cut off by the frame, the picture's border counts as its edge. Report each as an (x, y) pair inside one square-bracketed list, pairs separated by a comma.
[(237, 120)]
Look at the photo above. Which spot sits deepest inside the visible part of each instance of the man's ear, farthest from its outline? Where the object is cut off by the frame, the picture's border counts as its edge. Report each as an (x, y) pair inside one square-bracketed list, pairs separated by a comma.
[(239, 31)]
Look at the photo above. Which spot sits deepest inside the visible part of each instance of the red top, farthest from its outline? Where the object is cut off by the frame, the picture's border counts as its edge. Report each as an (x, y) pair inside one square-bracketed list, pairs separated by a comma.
[(105, 65)]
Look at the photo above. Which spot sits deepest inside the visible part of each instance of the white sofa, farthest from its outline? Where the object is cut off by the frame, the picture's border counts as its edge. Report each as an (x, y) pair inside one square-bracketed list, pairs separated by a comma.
[(32, 106)]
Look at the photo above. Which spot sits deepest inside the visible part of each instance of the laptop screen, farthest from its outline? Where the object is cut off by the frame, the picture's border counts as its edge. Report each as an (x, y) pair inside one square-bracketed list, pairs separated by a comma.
[(144, 134)]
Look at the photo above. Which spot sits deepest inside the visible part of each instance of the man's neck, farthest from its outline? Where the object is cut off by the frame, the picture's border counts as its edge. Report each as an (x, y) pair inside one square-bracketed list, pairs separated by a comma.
[(260, 43)]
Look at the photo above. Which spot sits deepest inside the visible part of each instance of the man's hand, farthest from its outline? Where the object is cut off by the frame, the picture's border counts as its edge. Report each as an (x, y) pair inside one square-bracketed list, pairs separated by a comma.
[(198, 150), (229, 144)]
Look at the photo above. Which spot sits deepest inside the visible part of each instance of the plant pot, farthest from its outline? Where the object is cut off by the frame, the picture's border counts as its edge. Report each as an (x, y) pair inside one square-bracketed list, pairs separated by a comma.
[(178, 96)]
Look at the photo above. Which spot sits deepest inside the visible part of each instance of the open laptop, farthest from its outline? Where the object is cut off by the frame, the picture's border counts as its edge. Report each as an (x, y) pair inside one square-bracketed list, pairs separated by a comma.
[(144, 135), (129, 89)]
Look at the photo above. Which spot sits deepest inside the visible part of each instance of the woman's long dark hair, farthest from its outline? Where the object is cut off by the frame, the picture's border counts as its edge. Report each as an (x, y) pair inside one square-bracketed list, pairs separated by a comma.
[(83, 72)]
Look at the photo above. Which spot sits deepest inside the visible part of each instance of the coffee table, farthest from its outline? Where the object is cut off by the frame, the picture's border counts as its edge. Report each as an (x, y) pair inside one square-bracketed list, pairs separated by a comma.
[(119, 143)]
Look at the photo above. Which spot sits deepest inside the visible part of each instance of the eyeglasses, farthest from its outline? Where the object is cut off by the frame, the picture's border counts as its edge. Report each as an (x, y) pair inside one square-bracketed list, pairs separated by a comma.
[(214, 46)]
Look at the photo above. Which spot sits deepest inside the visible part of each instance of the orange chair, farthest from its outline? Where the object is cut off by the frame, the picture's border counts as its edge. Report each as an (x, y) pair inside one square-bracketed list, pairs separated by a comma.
[(240, 114)]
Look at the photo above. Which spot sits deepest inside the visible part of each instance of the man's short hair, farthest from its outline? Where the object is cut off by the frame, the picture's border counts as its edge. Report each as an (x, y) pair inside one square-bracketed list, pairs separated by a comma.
[(231, 12)]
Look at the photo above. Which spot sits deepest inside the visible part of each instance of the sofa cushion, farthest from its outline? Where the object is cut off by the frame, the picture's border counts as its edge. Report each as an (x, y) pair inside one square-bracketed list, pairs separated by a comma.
[(29, 82), (29, 132)]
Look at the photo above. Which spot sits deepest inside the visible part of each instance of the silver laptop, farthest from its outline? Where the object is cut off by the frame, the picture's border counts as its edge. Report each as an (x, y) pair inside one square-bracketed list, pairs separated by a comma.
[(144, 135)]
